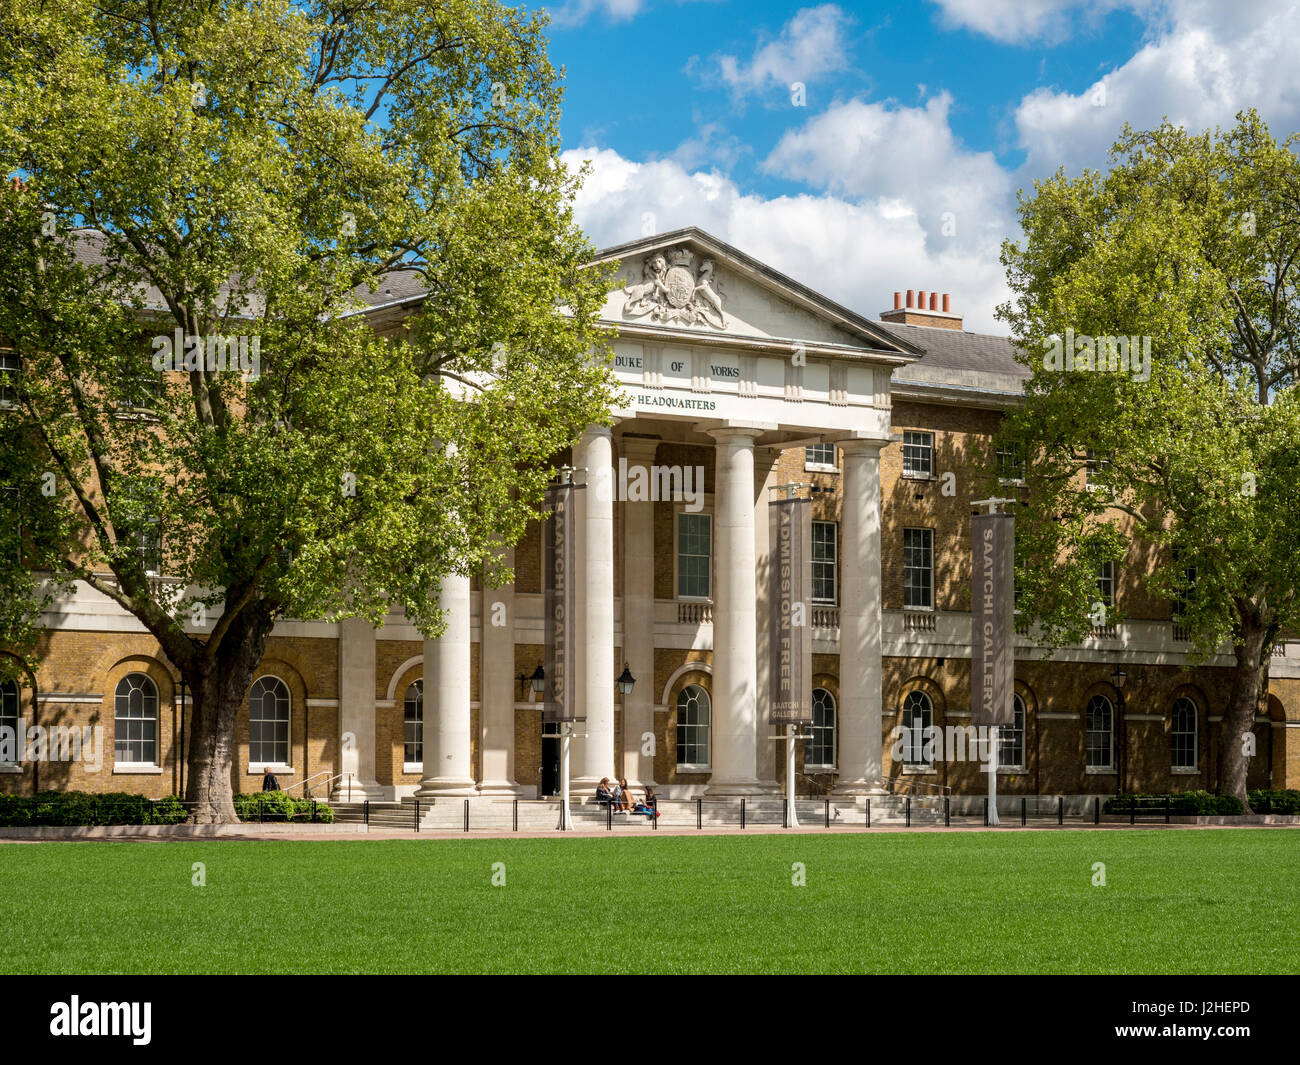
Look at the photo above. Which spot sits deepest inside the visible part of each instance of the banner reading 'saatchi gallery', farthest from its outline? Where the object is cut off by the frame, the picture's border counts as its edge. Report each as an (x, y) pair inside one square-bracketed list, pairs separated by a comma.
[(992, 660), (790, 525), (559, 569)]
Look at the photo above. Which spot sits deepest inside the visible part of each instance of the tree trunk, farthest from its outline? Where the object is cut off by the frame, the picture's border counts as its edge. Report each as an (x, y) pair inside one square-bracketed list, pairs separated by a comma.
[(1237, 736), (220, 684)]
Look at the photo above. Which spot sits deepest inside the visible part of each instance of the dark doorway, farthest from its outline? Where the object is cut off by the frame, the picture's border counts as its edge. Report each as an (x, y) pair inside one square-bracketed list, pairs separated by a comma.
[(550, 761)]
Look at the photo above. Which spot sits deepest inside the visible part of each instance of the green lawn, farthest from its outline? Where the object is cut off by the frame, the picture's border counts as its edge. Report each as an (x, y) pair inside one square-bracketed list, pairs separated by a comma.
[(1174, 901)]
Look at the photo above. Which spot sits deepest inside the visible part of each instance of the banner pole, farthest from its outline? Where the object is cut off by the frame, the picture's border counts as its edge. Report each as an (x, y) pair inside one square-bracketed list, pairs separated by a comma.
[(993, 775), (789, 773), (566, 818)]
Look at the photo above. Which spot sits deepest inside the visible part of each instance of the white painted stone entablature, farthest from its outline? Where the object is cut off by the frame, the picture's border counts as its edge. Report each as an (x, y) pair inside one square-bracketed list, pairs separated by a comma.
[(707, 335)]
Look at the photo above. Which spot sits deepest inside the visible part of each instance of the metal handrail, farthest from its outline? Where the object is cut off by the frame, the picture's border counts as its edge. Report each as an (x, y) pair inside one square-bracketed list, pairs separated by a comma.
[(336, 776), (942, 789)]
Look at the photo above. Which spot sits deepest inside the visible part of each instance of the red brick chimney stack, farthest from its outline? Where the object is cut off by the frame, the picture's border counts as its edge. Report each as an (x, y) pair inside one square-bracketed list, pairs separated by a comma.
[(916, 311)]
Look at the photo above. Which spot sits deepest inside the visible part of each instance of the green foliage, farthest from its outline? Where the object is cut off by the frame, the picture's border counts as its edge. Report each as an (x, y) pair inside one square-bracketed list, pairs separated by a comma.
[(1275, 801), (1182, 803), (1189, 240), (252, 170), (73, 808), (279, 806), (68, 808)]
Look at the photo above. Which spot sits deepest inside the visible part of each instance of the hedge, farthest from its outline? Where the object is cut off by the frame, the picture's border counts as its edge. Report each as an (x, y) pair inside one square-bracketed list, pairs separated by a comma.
[(1181, 802), (279, 806), (1263, 801), (65, 808)]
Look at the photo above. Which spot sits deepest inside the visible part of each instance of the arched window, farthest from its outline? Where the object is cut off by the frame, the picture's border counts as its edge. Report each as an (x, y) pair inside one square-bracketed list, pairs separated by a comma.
[(1011, 738), (918, 719), (268, 722), (135, 721), (820, 748), (1099, 729), (9, 709), (413, 750), (1182, 734), (693, 716)]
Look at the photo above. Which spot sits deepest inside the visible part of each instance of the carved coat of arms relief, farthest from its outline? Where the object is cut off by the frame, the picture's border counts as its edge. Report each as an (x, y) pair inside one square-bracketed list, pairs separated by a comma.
[(674, 291)]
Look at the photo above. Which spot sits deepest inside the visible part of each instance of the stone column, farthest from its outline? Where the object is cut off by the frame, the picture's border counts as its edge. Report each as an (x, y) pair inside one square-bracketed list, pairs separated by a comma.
[(593, 751), (639, 614), (768, 753), (735, 630), (357, 712), (861, 673), (447, 769), (497, 683)]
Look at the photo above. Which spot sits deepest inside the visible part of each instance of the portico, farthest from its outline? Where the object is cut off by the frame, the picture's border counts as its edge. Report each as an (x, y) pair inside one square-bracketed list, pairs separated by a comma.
[(728, 365)]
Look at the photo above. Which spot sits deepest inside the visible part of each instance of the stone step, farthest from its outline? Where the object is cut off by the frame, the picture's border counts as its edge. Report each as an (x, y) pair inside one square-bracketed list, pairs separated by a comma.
[(543, 815)]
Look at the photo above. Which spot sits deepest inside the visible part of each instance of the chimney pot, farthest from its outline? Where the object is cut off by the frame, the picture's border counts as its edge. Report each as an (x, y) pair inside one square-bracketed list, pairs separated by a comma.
[(920, 299), (934, 301), (910, 295), (946, 309), (898, 300)]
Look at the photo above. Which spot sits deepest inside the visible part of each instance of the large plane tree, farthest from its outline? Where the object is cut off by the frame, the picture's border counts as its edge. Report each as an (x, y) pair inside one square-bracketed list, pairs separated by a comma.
[(223, 405), (1186, 467)]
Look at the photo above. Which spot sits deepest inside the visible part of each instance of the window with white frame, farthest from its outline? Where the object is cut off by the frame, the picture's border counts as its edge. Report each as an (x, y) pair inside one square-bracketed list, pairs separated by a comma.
[(135, 721), (819, 749), (1011, 738), (1099, 733), (824, 559), (11, 368), (413, 723), (918, 454), (1011, 463), (9, 710), (918, 569), (1106, 584), (268, 722), (819, 457), (1182, 734), (694, 556), (1095, 464), (693, 720), (918, 720), (11, 524)]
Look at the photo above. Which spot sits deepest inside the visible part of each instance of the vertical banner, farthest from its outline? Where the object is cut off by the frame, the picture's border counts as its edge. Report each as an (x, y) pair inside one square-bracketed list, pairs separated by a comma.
[(560, 576), (992, 659), (790, 523)]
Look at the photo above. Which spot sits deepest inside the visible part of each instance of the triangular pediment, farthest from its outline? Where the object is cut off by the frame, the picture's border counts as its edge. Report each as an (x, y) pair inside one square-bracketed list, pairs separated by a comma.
[(690, 283)]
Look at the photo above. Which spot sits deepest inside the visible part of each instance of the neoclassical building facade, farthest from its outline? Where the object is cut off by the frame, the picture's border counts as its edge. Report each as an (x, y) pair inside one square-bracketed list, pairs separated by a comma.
[(737, 383)]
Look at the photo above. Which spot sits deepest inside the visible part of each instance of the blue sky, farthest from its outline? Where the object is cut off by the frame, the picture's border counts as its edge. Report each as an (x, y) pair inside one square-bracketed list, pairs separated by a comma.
[(920, 120)]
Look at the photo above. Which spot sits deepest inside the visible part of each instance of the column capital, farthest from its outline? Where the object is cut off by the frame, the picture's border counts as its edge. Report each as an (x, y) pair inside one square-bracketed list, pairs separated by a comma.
[(724, 433), (595, 430), (863, 445)]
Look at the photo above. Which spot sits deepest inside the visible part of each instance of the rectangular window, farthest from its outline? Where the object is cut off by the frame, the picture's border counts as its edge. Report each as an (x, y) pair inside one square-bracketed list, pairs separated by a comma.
[(1106, 584), (1011, 463), (918, 454), (694, 556), (819, 457), (11, 367), (11, 524), (1094, 465), (136, 509), (824, 555), (918, 569)]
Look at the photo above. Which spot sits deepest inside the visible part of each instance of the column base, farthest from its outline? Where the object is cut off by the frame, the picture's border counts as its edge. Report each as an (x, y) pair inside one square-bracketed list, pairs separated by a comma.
[(500, 787), (435, 787), (360, 791)]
